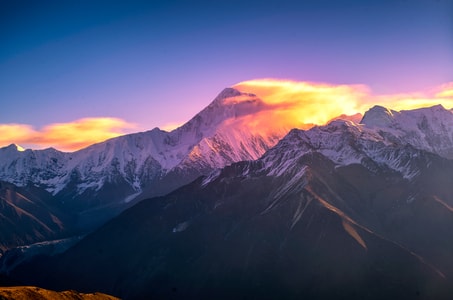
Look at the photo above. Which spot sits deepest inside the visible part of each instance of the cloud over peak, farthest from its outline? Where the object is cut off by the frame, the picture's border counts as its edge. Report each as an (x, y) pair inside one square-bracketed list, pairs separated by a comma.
[(318, 103)]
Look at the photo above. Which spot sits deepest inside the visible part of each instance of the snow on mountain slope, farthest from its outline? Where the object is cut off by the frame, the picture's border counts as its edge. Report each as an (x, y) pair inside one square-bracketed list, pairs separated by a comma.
[(29, 166), (389, 139), (381, 132), (228, 130), (344, 143), (429, 128), (385, 137)]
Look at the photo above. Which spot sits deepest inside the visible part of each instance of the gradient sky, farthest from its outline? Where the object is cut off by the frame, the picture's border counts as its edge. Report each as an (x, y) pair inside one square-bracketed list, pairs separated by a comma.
[(153, 63)]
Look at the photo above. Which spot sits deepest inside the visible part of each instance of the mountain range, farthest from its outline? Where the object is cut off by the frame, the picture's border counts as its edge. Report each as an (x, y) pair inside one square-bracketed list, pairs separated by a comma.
[(347, 210), (98, 182)]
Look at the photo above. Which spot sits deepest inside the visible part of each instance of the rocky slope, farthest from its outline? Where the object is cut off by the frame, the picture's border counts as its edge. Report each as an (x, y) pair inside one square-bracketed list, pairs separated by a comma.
[(27, 217)]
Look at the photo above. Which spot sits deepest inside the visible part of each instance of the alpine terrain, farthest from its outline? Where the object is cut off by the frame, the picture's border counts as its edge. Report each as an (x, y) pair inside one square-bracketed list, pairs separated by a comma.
[(94, 184), (25, 217), (342, 211)]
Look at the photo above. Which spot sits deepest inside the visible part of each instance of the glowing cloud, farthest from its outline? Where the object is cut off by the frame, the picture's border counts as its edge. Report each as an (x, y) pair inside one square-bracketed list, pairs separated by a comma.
[(15, 133), (170, 126), (445, 91), (300, 104), (64, 136), (440, 95)]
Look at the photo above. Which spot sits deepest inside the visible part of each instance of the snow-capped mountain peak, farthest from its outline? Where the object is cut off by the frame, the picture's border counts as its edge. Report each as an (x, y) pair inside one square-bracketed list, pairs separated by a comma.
[(147, 161), (378, 116), (429, 128), (386, 138)]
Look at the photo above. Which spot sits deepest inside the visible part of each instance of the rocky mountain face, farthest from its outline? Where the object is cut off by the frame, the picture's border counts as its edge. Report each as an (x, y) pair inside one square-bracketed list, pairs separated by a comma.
[(27, 217), (342, 211)]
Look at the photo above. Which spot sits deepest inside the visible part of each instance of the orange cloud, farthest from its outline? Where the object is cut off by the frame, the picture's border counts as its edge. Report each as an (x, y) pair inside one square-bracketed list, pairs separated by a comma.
[(405, 102), (170, 126), (300, 104), (441, 95), (64, 136), (15, 133)]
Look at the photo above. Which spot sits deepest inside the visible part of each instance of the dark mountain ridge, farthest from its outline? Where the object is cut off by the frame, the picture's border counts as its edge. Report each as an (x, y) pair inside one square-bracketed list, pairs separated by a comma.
[(27, 216)]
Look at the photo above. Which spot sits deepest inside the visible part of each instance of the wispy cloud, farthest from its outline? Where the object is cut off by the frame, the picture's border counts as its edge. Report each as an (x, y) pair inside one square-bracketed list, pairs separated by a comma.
[(439, 95), (445, 91), (306, 102), (317, 103), (64, 136)]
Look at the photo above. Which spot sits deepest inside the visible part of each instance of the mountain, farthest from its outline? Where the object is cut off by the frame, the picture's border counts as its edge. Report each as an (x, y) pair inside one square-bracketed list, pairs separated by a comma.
[(342, 211), (14, 256), (426, 128), (101, 180), (27, 217)]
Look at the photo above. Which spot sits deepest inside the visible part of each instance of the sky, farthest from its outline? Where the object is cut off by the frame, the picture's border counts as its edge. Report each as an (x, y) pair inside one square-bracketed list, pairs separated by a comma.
[(106, 68)]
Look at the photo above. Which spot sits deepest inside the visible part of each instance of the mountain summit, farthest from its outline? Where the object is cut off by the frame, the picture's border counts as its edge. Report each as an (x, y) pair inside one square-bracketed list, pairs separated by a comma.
[(429, 128)]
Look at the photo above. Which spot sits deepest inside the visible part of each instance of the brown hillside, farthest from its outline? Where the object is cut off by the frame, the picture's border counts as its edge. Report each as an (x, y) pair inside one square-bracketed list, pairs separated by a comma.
[(36, 293)]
